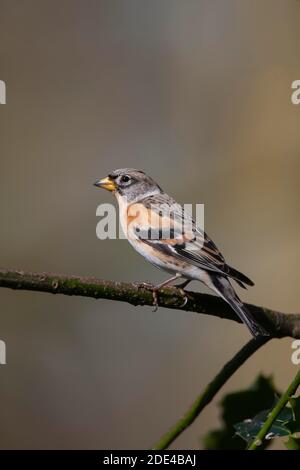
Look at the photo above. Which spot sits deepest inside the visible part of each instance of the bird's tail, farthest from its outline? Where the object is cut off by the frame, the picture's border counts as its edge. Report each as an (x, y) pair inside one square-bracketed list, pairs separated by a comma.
[(223, 287)]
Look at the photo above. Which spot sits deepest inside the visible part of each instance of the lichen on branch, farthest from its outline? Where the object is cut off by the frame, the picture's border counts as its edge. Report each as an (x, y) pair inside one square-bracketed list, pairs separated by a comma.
[(279, 324)]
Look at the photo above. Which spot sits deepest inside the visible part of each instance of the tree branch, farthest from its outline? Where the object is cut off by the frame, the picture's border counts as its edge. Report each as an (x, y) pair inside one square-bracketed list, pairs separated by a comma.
[(279, 324), (210, 391)]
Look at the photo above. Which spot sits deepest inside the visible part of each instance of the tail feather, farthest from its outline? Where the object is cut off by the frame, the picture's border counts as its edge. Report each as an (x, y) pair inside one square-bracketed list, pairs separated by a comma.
[(240, 284), (246, 317), (223, 287), (239, 277)]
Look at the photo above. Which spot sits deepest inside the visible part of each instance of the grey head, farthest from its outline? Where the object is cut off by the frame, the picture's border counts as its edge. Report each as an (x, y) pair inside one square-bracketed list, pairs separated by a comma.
[(130, 183)]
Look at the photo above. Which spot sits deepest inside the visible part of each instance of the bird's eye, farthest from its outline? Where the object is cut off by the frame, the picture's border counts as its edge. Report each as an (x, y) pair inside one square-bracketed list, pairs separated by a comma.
[(125, 179)]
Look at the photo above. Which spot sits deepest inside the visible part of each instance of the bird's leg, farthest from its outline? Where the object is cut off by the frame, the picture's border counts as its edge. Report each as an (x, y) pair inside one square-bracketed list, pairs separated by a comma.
[(154, 289), (159, 286)]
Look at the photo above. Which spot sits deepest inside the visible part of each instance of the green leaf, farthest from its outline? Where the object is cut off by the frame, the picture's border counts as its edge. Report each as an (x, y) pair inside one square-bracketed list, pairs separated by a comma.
[(287, 423), (249, 428), (237, 407)]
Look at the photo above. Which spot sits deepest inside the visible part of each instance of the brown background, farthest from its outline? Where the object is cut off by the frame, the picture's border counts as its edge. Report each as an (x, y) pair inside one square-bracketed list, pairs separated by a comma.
[(197, 93)]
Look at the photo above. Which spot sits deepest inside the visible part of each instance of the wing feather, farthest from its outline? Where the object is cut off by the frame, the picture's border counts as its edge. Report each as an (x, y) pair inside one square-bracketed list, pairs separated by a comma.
[(186, 241)]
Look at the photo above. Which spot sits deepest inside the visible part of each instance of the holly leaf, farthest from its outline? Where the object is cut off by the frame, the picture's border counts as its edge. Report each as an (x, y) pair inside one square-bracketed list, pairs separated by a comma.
[(249, 428), (287, 423), (235, 408)]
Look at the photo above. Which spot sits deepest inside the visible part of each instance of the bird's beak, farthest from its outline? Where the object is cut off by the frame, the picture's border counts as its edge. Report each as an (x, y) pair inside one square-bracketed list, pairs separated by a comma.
[(106, 183)]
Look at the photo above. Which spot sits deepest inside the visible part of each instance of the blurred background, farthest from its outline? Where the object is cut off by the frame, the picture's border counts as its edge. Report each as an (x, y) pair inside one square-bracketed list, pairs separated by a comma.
[(196, 93)]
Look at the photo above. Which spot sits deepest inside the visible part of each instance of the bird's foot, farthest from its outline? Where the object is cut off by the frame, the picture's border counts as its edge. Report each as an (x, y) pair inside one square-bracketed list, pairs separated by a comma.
[(185, 297), (144, 285), (152, 289), (155, 300)]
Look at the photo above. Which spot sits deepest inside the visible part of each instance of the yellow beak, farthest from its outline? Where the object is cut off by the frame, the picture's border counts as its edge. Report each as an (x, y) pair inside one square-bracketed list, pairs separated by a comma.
[(106, 183)]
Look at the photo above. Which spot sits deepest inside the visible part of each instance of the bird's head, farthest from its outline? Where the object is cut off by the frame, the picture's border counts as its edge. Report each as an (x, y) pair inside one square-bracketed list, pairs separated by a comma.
[(129, 183)]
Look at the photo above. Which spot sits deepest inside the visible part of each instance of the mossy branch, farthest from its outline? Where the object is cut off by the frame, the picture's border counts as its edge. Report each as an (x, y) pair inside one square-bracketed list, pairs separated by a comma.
[(280, 324)]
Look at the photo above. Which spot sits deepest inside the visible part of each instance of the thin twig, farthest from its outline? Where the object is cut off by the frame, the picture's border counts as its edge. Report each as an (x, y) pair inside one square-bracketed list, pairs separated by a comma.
[(210, 391)]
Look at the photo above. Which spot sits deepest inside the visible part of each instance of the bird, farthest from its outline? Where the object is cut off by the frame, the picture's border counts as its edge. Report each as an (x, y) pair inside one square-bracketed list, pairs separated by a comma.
[(162, 232)]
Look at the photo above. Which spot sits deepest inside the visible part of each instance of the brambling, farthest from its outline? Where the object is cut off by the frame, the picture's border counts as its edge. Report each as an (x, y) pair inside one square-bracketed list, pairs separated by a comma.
[(161, 231)]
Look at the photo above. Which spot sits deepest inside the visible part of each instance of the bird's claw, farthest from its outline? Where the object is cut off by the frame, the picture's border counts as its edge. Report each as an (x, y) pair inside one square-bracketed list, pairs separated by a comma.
[(151, 287), (154, 290), (155, 300), (185, 298)]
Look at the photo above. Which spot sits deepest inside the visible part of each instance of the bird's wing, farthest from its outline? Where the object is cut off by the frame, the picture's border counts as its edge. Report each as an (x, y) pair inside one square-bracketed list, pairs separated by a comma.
[(184, 240)]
